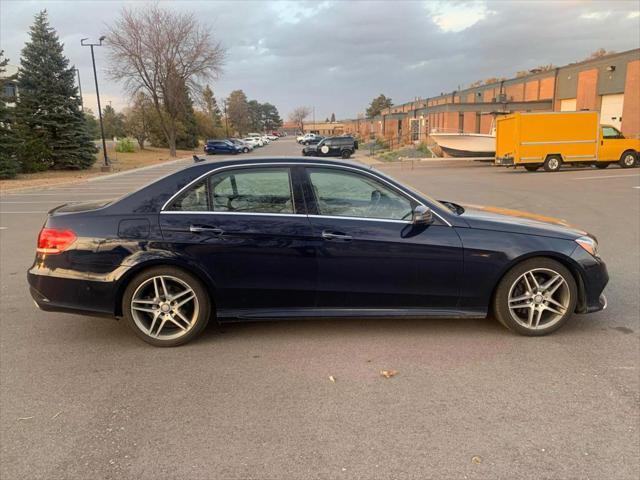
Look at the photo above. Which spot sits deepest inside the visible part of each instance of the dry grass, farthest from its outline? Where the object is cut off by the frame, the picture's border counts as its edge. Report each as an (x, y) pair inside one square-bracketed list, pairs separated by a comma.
[(120, 162)]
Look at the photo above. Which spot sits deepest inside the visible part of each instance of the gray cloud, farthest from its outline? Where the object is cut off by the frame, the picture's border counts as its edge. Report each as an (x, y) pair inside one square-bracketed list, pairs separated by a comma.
[(338, 55)]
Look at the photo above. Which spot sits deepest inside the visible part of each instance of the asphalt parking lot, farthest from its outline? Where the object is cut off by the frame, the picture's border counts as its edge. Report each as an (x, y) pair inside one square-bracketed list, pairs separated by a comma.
[(82, 397)]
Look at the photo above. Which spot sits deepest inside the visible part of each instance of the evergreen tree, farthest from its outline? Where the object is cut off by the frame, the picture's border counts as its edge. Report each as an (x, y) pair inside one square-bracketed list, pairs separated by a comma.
[(255, 116), (271, 117), (333, 117), (187, 136), (9, 165), (113, 123), (50, 124), (211, 107)]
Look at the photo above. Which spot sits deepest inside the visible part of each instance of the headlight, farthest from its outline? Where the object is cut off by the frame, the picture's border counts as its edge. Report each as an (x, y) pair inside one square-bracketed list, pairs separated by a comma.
[(589, 244)]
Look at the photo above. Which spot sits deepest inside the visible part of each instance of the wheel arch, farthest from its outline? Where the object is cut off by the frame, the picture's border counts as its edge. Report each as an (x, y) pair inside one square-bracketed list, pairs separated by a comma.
[(190, 268), (564, 260)]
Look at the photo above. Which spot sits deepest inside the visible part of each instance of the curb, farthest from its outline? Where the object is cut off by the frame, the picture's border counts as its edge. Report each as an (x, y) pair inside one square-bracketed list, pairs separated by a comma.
[(133, 170)]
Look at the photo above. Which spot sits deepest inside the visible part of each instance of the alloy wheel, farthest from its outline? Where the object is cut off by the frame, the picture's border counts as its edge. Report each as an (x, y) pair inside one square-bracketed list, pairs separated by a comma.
[(629, 160), (539, 298), (164, 307)]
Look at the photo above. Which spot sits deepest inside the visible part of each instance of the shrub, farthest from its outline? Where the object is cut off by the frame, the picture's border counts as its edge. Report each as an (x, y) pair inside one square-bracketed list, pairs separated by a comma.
[(125, 145)]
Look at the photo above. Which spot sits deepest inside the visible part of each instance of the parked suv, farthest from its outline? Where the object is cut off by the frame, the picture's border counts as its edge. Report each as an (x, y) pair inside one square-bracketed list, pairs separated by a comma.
[(221, 146), (332, 147)]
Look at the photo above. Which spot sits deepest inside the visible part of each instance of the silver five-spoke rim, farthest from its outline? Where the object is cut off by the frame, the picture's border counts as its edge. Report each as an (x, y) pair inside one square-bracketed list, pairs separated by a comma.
[(164, 307), (629, 160), (553, 163), (539, 298)]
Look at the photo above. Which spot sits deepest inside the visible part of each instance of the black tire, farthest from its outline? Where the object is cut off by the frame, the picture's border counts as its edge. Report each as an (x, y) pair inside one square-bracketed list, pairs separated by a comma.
[(245, 150), (199, 322), (628, 159), (552, 163), (531, 168), (511, 281), (345, 153), (602, 165)]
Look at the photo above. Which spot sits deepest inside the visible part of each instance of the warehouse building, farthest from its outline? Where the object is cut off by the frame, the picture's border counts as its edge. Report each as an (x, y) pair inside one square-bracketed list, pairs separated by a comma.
[(609, 84)]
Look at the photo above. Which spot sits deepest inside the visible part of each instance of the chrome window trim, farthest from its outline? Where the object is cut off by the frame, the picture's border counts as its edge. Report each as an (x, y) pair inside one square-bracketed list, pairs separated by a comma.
[(209, 212), (370, 219), (300, 164)]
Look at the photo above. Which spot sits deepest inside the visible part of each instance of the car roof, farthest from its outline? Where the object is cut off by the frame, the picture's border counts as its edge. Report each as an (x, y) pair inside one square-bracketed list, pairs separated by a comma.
[(201, 166)]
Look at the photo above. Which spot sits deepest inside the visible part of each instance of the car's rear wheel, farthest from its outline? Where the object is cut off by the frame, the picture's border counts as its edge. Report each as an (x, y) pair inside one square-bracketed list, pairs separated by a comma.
[(346, 153), (628, 159), (536, 297), (166, 306), (245, 150), (552, 163)]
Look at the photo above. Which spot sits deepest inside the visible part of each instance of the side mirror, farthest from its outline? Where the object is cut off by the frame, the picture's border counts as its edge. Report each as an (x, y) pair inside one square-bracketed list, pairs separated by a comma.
[(422, 215)]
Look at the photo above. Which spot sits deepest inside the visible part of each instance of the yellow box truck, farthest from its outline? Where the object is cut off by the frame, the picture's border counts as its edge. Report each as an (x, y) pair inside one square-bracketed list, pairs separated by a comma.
[(551, 139)]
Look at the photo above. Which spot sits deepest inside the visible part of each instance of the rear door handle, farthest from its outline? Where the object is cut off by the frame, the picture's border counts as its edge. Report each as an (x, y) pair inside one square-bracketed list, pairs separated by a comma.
[(327, 235), (205, 229)]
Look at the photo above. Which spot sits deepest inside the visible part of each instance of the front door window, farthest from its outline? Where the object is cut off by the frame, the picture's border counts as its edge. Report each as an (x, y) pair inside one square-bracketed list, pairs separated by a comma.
[(345, 194)]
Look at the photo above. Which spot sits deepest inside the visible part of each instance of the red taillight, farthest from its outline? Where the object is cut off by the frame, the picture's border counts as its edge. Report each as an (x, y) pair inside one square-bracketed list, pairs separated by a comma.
[(52, 240)]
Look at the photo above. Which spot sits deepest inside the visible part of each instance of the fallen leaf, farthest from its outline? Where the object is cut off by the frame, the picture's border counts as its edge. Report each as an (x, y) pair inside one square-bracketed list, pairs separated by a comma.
[(332, 378), (388, 373), (476, 459)]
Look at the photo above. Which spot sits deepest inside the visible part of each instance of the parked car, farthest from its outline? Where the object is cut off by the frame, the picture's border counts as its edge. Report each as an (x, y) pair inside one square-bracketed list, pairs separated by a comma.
[(298, 238), (313, 141), (306, 136), (255, 141), (265, 139), (272, 137), (245, 146), (343, 146), (213, 147)]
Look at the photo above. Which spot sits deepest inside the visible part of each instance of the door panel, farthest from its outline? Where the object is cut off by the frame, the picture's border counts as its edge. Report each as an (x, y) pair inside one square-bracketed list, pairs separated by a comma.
[(369, 255), (387, 264), (248, 229), (258, 261)]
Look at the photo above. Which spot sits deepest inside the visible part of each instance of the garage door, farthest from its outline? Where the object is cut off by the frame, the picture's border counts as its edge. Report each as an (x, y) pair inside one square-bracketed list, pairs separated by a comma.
[(568, 105), (611, 110)]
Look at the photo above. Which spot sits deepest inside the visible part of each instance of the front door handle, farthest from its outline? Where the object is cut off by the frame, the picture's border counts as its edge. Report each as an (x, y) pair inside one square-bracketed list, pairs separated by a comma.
[(205, 229), (327, 235)]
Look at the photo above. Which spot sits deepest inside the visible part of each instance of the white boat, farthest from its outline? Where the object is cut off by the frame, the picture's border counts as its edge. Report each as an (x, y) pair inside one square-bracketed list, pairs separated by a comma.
[(466, 144)]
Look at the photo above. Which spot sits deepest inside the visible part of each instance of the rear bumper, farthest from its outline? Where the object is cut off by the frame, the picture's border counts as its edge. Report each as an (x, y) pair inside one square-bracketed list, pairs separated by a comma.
[(71, 295)]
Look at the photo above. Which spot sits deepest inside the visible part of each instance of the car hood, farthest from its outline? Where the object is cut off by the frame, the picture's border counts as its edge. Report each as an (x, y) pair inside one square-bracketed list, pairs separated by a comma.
[(516, 221)]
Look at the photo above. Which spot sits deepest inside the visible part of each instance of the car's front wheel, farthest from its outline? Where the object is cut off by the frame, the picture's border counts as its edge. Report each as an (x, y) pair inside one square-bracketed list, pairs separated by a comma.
[(346, 153), (166, 306), (536, 297)]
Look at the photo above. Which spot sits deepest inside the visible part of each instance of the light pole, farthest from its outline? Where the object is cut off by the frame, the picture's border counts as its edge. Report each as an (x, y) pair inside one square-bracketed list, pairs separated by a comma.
[(226, 118), (80, 90), (106, 167)]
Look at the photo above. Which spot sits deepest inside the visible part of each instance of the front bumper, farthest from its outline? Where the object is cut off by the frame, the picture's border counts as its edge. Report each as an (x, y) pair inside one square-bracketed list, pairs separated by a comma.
[(506, 161), (593, 279)]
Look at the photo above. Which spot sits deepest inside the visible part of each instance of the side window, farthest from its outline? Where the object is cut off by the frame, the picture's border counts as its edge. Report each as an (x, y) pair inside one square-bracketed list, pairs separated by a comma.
[(252, 190), (610, 132), (196, 199), (345, 194)]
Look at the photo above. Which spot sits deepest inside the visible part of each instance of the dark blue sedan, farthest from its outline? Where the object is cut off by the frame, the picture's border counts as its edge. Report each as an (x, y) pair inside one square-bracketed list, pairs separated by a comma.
[(281, 238), (213, 147)]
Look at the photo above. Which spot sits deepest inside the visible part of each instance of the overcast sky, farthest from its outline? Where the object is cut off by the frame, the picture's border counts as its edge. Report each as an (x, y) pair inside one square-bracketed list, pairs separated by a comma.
[(338, 55)]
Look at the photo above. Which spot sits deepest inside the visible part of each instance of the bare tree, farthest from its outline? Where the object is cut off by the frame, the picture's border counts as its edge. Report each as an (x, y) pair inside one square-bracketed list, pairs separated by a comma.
[(298, 115), (162, 53)]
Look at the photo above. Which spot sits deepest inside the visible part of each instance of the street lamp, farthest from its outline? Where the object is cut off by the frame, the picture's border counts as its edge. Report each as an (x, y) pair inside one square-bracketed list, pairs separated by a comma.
[(80, 90), (106, 167), (226, 118)]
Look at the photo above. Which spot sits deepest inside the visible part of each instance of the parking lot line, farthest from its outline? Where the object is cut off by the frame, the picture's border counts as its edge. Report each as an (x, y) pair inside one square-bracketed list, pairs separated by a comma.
[(595, 177)]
